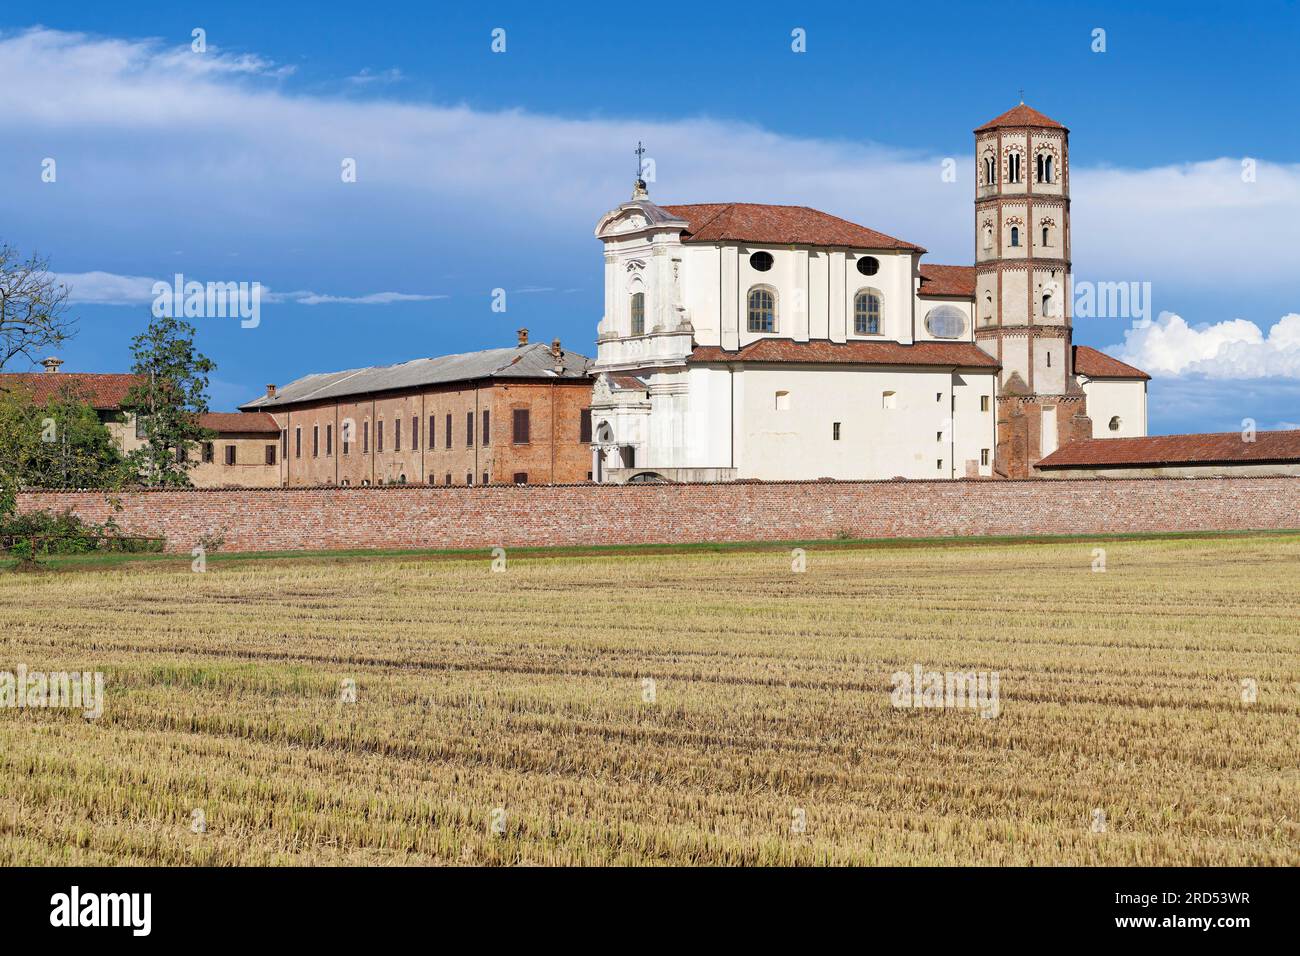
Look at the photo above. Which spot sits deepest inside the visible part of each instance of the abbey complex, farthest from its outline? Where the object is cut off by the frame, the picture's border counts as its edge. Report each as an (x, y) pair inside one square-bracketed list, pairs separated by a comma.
[(748, 341)]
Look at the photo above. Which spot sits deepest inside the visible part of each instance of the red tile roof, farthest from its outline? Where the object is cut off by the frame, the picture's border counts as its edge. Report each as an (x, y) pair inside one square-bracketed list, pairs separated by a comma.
[(778, 225), (1021, 115), (628, 382), (103, 391), (948, 280), (1094, 364), (961, 354), (1207, 449), (246, 422)]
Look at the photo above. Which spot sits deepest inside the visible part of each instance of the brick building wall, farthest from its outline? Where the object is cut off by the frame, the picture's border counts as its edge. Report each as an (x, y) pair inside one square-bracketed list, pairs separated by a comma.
[(413, 516), (402, 437)]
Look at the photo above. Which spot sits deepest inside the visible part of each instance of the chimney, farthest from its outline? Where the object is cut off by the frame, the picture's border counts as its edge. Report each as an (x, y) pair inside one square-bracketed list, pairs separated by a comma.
[(52, 364), (270, 391), (557, 354), (523, 337)]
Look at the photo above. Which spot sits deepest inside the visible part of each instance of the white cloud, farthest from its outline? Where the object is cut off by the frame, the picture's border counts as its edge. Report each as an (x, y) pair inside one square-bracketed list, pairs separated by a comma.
[(1234, 349), (369, 77), (106, 288)]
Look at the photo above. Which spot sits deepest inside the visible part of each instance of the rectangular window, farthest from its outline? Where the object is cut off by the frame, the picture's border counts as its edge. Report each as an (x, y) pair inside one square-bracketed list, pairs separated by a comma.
[(208, 452), (938, 436), (139, 426), (984, 403), (448, 478), (284, 443), (939, 464), (469, 432), (984, 456), (938, 396), (297, 442), (329, 440), (433, 480), (365, 437), (485, 477), (430, 443), (486, 437), (270, 454), (447, 433), (315, 441), (379, 436), (521, 426), (469, 478), (345, 437), (181, 455), (415, 433), (521, 477), (397, 434), (584, 426), (230, 454), (835, 431)]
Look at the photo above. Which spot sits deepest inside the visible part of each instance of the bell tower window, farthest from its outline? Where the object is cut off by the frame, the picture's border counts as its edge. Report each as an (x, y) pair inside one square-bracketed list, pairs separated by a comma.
[(1015, 235), (1013, 167), (990, 171)]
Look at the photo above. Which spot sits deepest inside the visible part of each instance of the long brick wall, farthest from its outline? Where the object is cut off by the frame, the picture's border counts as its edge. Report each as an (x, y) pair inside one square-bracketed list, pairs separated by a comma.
[(283, 519)]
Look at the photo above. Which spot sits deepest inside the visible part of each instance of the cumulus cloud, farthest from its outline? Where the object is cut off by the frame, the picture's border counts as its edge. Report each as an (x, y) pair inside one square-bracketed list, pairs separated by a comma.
[(1232, 349)]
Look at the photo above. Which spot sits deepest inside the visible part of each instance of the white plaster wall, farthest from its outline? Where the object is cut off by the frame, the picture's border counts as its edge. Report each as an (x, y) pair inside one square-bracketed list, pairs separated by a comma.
[(909, 440), (1107, 398)]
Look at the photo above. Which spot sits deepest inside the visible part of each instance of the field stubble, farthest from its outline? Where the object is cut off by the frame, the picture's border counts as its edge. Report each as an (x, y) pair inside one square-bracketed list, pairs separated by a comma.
[(524, 692)]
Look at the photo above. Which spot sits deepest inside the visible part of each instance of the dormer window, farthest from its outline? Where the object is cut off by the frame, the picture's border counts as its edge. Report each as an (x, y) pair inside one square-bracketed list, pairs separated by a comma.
[(761, 261), (638, 313)]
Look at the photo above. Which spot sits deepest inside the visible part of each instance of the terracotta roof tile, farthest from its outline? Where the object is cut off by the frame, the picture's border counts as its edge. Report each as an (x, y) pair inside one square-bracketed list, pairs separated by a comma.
[(628, 382), (779, 225), (1021, 115), (1205, 449), (246, 422), (103, 391), (948, 280), (1094, 364), (961, 354)]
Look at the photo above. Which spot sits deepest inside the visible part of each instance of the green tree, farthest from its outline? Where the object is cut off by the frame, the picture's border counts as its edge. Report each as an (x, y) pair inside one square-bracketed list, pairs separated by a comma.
[(60, 444), (168, 400)]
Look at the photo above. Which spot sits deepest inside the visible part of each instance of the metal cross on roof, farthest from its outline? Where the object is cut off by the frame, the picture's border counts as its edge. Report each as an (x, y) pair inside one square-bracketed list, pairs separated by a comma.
[(640, 151)]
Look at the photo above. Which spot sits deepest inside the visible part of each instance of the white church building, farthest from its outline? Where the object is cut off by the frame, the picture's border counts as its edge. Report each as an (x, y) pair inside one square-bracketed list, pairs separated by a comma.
[(779, 342)]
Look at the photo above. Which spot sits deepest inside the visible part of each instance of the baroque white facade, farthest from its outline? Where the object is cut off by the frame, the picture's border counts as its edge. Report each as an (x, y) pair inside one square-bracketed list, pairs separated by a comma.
[(779, 342)]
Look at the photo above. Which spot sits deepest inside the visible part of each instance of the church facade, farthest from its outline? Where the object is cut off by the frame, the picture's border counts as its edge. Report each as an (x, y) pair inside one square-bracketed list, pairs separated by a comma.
[(780, 342)]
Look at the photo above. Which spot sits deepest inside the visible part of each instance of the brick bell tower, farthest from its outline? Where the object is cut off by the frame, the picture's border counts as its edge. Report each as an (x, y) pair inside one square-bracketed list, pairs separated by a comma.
[(1022, 285)]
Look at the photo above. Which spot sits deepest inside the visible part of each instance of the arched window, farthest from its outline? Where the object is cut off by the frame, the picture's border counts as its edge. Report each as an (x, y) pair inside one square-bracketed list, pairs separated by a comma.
[(1046, 233), (638, 313), (1047, 304), (762, 310), (1015, 235), (1044, 167), (1013, 167), (866, 312), (990, 171), (1114, 424)]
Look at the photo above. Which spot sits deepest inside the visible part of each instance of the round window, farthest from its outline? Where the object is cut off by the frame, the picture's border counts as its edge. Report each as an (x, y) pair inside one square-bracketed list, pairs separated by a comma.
[(946, 322), (761, 261), (868, 265)]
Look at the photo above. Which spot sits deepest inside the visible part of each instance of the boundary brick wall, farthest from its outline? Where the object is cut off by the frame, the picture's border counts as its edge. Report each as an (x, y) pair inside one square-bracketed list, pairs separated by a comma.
[(410, 516)]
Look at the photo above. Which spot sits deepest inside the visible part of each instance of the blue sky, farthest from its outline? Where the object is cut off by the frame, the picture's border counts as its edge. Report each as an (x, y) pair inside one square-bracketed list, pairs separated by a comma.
[(479, 170)]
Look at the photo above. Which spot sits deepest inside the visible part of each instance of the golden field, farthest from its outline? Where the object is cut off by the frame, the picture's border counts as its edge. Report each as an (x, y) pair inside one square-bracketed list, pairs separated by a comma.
[(1120, 692)]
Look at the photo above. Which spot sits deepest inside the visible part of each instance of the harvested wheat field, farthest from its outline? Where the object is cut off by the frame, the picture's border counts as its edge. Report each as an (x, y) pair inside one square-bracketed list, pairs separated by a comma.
[(522, 702)]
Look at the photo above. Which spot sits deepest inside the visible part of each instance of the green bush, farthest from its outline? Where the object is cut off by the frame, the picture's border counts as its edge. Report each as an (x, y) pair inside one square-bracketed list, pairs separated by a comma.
[(39, 532)]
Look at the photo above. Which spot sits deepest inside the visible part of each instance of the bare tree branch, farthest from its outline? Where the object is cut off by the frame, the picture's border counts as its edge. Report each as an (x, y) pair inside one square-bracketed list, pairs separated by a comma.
[(33, 306)]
